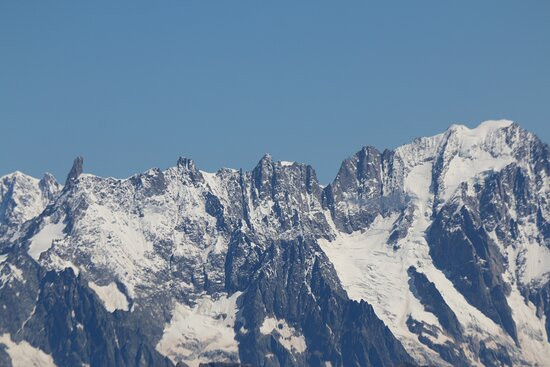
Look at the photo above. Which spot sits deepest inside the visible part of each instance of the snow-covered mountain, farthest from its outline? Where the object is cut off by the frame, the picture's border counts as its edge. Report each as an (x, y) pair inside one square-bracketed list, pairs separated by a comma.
[(435, 253)]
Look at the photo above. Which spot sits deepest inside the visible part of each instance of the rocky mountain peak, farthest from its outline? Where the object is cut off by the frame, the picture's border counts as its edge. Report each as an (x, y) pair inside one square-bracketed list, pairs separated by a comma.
[(186, 163), (266, 159), (22, 198), (49, 186), (188, 169), (273, 178), (75, 172)]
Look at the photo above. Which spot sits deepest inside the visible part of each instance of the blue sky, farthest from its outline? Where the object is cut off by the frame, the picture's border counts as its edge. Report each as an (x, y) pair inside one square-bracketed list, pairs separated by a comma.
[(134, 84)]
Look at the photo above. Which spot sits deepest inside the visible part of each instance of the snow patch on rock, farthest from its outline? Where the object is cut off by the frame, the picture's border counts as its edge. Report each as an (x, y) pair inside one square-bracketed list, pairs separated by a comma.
[(45, 238), (287, 336), (530, 329), (113, 299), (9, 273), (286, 163), (23, 354), (203, 332)]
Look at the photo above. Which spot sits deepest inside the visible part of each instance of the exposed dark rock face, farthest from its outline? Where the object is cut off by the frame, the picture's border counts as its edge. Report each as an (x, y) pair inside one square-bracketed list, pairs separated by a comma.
[(433, 302), (75, 172), (460, 243), (21, 282), (460, 247), (70, 323), (5, 359), (78, 329), (449, 351), (293, 194), (189, 171), (492, 357), (296, 283), (354, 198), (59, 314), (541, 298)]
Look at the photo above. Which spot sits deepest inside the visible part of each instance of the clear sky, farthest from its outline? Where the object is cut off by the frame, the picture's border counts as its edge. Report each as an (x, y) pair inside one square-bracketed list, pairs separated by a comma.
[(134, 84)]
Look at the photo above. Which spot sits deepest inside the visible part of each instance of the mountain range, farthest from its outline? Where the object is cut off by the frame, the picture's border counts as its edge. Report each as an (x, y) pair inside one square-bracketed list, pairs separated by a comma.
[(436, 253)]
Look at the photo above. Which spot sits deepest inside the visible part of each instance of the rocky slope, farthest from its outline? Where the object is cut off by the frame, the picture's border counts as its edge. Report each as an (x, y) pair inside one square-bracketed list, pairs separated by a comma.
[(436, 253)]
